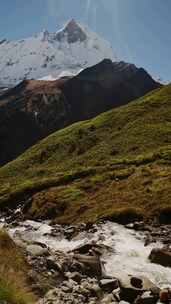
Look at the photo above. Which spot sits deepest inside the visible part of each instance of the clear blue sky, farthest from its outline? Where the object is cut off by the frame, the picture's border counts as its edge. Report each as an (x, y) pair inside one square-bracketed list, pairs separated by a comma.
[(139, 30)]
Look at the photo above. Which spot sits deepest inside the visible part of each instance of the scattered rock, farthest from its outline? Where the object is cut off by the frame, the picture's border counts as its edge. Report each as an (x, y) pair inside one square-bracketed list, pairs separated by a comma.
[(75, 276), (51, 264), (136, 226), (108, 299), (109, 285), (158, 233), (78, 277), (96, 290), (70, 232)]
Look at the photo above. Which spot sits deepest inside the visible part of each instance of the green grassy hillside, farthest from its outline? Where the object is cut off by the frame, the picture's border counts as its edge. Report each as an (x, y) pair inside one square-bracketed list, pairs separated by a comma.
[(114, 166)]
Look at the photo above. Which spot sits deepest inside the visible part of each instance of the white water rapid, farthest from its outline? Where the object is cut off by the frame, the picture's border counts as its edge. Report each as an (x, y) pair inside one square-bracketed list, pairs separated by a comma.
[(130, 256)]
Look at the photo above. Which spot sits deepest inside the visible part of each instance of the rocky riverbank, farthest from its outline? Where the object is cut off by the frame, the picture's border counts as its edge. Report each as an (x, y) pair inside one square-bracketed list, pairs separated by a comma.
[(103, 264), (153, 231)]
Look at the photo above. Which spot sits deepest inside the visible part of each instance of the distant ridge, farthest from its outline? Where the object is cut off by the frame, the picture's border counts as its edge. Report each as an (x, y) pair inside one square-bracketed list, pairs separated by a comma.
[(34, 108)]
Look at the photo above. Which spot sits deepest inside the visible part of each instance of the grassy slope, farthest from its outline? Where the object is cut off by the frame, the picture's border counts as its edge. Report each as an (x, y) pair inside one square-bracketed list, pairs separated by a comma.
[(13, 271), (98, 168)]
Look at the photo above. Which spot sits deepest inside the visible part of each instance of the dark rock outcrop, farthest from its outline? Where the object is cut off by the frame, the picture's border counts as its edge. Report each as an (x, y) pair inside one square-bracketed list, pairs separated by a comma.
[(34, 109), (72, 33)]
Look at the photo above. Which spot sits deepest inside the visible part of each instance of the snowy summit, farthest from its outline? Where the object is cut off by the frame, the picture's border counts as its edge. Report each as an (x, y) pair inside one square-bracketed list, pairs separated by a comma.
[(66, 51)]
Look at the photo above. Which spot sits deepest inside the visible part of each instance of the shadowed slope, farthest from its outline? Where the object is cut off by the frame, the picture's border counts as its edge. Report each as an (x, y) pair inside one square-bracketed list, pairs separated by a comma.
[(34, 109)]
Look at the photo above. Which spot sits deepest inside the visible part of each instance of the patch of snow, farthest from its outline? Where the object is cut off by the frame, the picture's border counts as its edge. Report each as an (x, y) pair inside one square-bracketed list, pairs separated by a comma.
[(62, 74), (67, 74), (48, 78)]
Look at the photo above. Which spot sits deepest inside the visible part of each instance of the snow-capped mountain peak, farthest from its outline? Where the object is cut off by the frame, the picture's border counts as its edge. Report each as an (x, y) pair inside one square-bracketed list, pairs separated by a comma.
[(72, 48), (72, 33)]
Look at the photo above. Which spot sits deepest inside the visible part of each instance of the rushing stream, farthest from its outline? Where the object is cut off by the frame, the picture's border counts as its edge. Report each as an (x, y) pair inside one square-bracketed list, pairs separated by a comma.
[(129, 256)]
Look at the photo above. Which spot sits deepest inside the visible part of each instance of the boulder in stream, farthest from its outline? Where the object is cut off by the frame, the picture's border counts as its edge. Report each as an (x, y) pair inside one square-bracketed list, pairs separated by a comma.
[(132, 287), (92, 247), (89, 265), (161, 256)]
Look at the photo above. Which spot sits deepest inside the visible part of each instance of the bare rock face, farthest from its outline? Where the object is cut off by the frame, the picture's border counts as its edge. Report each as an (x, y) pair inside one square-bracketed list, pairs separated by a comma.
[(72, 33), (29, 112), (34, 108)]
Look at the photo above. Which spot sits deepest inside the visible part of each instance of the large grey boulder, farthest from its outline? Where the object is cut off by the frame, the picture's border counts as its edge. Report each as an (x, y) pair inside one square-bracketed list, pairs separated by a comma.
[(36, 250)]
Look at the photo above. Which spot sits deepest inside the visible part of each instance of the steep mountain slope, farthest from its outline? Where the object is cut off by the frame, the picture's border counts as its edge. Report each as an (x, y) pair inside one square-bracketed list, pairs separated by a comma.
[(34, 109), (29, 112), (117, 166), (70, 49), (104, 86)]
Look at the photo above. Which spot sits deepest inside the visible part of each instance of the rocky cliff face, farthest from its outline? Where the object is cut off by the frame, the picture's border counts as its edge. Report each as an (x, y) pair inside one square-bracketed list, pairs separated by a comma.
[(29, 112), (34, 109), (72, 33)]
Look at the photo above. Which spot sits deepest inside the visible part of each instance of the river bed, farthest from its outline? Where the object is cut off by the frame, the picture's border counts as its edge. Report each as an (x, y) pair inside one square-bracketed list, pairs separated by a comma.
[(128, 256)]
